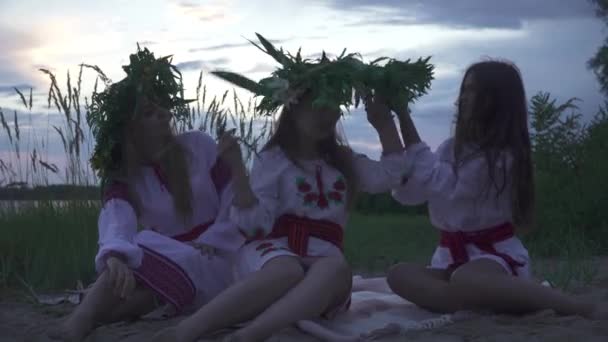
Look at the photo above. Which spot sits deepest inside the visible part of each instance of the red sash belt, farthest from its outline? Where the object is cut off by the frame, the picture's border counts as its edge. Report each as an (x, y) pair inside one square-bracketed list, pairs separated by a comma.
[(299, 230), (193, 233), (483, 239)]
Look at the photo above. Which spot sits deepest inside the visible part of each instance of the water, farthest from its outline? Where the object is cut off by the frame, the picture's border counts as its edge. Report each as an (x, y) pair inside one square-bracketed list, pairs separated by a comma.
[(19, 205)]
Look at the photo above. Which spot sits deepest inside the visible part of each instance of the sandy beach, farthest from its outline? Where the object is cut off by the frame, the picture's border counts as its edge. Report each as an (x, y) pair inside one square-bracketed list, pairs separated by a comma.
[(22, 321)]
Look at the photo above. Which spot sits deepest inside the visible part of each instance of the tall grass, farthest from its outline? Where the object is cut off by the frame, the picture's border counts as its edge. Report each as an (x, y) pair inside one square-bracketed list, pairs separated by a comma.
[(30, 165), (48, 246), (52, 245)]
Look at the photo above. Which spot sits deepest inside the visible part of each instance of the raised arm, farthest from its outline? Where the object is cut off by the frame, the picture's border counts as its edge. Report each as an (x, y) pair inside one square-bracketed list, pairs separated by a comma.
[(382, 176), (256, 198), (408, 129), (435, 175)]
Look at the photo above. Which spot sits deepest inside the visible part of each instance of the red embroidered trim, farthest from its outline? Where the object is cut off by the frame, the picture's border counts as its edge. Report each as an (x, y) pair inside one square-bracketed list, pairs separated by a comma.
[(166, 278), (322, 201), (116, 190), (483, 239), (298, 231), (194, 233), (263, 246), (271, 249)]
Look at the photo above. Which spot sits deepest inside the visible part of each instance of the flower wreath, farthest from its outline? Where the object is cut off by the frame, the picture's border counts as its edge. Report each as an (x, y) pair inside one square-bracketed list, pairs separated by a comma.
[(343, 81), (147, 77)]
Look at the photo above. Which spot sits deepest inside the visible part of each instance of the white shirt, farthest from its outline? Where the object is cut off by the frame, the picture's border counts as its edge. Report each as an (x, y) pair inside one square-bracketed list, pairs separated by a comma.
[(316, 191), (466, 201), (211, 199)]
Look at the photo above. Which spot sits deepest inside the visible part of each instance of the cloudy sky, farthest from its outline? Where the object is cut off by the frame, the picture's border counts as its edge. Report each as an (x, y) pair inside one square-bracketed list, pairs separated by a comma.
[(550, 40)]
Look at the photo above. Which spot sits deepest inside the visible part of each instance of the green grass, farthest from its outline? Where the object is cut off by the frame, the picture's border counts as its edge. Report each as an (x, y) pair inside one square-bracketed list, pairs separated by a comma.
[(566, 254), (51, 248), (48, 247), (374, 242)]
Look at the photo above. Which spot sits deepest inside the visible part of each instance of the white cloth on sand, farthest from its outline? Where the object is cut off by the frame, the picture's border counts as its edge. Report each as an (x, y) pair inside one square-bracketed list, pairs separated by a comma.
[(375, 307)]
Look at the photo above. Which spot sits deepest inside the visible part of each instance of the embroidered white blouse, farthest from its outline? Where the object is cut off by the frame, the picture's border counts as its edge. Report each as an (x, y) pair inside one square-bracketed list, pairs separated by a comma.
[(211, 199), (313, 189), (457, 202)]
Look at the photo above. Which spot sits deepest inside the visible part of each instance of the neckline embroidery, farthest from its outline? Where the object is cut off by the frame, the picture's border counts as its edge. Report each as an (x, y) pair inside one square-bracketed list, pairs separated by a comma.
[(321, 198)]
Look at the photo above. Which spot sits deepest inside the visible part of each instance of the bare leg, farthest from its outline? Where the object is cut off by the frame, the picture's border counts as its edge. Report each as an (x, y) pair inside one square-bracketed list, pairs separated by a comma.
[(241, 302), (139, 304), (327, 283), (484, 284), (101, 305), (427, 288), (481, 284)]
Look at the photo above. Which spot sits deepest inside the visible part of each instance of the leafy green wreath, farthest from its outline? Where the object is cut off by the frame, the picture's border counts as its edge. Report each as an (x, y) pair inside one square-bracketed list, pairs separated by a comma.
[(336, 82), (147, 77)]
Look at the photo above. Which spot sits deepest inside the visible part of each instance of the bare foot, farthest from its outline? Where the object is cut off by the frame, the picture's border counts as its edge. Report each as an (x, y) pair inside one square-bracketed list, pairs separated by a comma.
[(73, 329)]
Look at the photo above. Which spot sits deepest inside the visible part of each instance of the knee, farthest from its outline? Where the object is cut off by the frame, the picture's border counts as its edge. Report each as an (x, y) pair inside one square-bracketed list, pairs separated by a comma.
[(287, 270), (398, 275), (293, 274), (339, 269)]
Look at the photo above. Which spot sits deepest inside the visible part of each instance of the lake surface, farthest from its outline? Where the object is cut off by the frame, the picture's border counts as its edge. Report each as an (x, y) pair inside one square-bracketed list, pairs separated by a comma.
[(13, 206)]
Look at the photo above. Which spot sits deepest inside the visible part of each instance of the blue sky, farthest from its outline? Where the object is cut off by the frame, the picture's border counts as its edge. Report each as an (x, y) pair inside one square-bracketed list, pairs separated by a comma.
[(550, 40)]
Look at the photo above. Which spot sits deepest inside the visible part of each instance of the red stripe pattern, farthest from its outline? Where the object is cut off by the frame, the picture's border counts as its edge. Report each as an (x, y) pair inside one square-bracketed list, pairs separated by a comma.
[(194, 233), (166, 279), (116, 190), (299, 230), (483, 239)]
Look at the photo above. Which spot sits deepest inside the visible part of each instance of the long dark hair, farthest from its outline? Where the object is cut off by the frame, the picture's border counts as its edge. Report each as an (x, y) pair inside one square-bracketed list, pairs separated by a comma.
[(498, 123), (334, 150), (173, 163)]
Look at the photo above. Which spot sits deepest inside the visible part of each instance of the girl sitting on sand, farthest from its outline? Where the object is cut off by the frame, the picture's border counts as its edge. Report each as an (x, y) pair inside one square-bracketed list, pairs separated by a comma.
[(294, 207), (479, 187), (172, 186)]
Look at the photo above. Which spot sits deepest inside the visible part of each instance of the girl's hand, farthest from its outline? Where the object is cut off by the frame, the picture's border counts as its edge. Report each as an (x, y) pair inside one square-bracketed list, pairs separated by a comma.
[(120, 277), (205, 249), (402, 110), (380, 117), (378, 111), (406, 124)]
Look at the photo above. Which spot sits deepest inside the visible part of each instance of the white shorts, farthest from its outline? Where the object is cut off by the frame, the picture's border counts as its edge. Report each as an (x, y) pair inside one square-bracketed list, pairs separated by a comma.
[(442, 259), (178, 273), (254, 255)]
